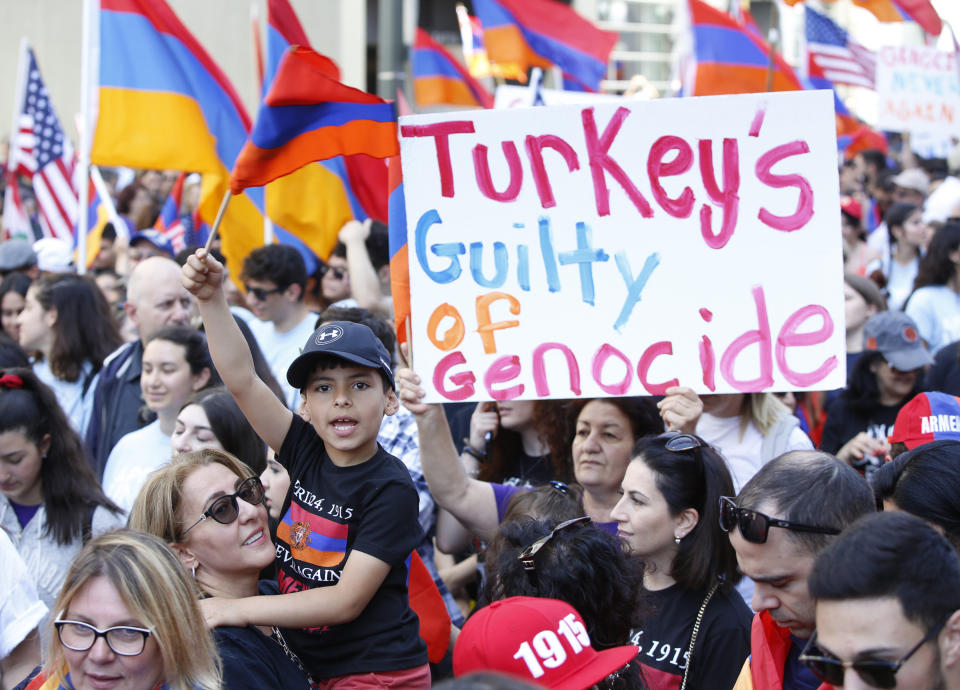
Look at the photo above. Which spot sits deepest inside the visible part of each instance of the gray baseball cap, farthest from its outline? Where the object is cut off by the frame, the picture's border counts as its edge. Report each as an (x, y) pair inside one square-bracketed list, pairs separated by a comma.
[(894, 335), (16, 254)]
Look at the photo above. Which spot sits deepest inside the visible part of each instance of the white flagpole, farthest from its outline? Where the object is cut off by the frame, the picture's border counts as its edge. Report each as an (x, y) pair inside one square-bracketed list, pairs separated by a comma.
[(13, 153), (89, 63), (107, 200)]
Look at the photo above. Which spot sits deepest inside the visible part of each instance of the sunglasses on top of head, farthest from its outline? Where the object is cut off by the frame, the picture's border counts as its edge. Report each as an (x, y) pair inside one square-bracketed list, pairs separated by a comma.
[(755, 526), (225, 509), (877, 673)]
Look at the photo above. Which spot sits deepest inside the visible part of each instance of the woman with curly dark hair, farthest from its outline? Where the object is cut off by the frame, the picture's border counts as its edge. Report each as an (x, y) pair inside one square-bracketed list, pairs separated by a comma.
[(935, 302), (67, 320), (50, 501)]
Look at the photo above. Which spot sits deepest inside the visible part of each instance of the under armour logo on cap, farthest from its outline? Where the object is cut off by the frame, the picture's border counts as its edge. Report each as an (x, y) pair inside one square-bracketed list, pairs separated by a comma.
[(330, 333)]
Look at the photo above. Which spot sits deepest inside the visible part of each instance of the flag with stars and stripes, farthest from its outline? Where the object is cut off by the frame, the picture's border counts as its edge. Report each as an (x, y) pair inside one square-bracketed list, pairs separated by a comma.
[(840, 58), (40, 151)]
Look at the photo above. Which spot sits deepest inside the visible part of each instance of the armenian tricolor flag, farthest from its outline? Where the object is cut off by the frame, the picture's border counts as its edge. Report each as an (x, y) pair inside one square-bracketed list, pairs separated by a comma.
[(313, 539), (308, 116), (730, 58), (540, 33), (311, 204), (439, 79), (920, 11), (176, 110)]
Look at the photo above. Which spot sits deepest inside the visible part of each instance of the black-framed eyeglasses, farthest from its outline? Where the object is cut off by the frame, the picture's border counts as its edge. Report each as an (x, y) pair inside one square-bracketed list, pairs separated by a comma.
[(337, 273), (125, 640), (528, 555), (754, 526), (262, 293), (877, 673), (225, 509)]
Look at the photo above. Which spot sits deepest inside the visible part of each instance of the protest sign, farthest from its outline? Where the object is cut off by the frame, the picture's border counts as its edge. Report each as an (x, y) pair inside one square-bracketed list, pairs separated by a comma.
[(617, 249), (919, 90)]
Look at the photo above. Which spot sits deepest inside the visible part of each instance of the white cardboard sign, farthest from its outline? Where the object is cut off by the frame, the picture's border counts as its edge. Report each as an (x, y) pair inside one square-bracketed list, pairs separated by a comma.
[(616, 249), (919, 90)]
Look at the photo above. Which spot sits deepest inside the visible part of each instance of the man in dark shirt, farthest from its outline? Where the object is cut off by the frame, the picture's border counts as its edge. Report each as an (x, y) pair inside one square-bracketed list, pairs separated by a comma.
[(888, 607), (155, 298), (784, 516)]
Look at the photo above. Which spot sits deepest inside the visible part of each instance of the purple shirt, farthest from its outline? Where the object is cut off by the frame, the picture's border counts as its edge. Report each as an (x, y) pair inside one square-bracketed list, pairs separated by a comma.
[(502, 494)]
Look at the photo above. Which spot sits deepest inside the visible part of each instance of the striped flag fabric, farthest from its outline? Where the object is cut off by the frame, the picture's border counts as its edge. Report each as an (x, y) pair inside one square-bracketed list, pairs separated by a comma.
[(439, 79), (841, 59), (168, 221), (40, 151)]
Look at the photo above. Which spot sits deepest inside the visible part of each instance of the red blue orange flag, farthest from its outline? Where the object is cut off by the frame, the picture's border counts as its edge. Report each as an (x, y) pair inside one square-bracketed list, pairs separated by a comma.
[(168, 221), (920, 11), (539, 33), (310, 205), (176, 110), (308, 116), (730, 58), (439, 79)]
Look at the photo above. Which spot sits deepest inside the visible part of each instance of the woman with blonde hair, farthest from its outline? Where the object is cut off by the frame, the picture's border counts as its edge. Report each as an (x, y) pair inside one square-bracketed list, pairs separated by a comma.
[(208, 506), (127, 617)]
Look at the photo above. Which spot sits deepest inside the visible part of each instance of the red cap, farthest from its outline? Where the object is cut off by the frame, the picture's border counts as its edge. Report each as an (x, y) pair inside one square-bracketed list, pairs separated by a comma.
[(851, 206), (543, 640), (928, 417)]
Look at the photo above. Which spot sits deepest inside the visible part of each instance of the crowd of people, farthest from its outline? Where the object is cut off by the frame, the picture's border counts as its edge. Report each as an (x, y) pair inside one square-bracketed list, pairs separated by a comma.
[(219, 477)]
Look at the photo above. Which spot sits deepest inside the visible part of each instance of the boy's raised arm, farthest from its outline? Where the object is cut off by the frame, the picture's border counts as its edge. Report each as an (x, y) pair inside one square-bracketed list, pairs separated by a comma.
[(203, 277)]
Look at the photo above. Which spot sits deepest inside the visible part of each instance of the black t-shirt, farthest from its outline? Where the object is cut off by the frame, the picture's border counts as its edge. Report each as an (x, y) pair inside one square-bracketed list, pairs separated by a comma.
[(722, 646), (843, 423), (330, 511), (252, 661)]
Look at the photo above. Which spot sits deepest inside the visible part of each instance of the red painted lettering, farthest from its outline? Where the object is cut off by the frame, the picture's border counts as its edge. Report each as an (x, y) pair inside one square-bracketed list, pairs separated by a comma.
[(789, 337), (481, 169), (535, 146), (463, 379), (682, 206), (540, 370), (664, 347), (727, 197), (601, 162), (600, 359), (441, 131), (759, 336), (804, 211), (502, 370)]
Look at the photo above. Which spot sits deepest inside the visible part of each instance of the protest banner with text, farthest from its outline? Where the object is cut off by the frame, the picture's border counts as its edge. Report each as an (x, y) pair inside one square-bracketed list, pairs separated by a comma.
[(918, 88), (618, 249)]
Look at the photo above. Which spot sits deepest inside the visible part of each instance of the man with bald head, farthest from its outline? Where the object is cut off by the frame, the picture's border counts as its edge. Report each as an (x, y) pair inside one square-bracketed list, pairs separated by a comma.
[(155, 298), (792, 509)]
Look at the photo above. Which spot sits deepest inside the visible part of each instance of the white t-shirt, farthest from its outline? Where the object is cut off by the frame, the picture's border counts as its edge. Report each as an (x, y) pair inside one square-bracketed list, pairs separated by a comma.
[(74, 403), (936, 309), (134, 457), (280, 349), (20, 607), (900, 283), (743, 455)]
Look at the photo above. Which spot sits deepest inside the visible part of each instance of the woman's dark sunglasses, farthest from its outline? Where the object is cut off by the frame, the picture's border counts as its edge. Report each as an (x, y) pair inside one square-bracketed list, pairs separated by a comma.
[(225, 509), (877, 673), (754, 526)]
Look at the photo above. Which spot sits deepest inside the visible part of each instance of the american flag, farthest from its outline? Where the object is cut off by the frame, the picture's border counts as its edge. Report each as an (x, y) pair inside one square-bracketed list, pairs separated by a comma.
[(40, 151), (840, 58)]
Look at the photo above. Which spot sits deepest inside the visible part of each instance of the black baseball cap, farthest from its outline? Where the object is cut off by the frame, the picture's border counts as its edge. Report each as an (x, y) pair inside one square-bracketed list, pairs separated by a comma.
[(347, 340)]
